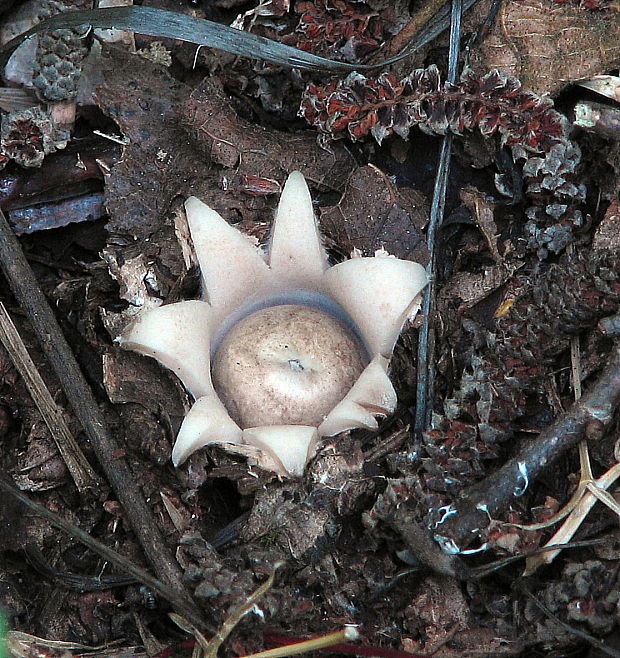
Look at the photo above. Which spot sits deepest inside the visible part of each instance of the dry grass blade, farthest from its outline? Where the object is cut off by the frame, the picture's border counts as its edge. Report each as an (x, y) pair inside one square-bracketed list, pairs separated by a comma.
[(81, 471), (346, 634), (238, 612), (596, 490), (168, 24), (20, 644), (604, 496)]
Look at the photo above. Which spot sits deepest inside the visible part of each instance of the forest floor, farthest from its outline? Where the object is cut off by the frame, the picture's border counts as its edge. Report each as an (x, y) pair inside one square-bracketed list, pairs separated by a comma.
[(394, 531)]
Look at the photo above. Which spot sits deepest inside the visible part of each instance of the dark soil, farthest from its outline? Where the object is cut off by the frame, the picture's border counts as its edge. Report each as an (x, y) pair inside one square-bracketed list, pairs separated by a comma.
[(523, 321)]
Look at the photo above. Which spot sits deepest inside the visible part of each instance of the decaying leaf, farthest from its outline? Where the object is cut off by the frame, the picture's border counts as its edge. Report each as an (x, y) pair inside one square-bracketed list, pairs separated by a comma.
[(548, 45), (374, 214), (245, 149)]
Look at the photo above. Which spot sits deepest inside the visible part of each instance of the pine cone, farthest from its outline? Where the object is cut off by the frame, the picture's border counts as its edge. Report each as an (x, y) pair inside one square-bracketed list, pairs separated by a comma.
[(58, 64), (570, 297), (501, 379), (27, 136)]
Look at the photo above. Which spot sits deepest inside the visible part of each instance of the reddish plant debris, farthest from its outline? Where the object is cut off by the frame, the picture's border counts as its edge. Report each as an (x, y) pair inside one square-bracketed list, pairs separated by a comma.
[(277, 7), (339, 29), (506, 537), (27, 137), (259, 185), (358, 106), (495, 104)]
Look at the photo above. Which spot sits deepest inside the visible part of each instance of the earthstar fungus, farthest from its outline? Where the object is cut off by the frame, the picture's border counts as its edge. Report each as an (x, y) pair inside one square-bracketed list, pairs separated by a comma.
[(282, 349)]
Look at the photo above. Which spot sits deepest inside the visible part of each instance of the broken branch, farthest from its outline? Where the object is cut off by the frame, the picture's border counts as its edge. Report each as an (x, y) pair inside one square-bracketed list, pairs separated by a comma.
[(586, 418), (29, 296)]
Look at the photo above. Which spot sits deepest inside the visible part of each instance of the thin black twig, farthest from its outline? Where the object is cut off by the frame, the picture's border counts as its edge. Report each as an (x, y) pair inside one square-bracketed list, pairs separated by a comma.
[(426, 341), (74, 581), (482, 31)]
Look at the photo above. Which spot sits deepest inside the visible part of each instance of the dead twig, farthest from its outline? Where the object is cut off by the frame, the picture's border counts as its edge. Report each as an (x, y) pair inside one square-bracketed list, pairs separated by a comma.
[(595, 642), (57, 350), (189, 611), (426, 336), (588, 489), (423, 548), (587, 417), (81, 471)]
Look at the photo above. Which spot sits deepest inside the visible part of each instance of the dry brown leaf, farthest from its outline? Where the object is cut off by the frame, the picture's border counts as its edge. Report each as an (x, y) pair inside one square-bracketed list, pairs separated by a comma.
[(548, 44), (250, 150), (373, 214)]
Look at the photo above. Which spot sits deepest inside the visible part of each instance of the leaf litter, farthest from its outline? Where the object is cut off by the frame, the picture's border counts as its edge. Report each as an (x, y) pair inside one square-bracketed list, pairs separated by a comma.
[(516, 287)]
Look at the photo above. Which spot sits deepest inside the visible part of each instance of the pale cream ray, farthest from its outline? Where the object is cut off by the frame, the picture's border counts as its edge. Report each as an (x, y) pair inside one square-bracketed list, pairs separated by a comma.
[(380, 294), (232, 267), (291, 445), (372, 394), (207, 423), (296, 252), (178, 336)]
